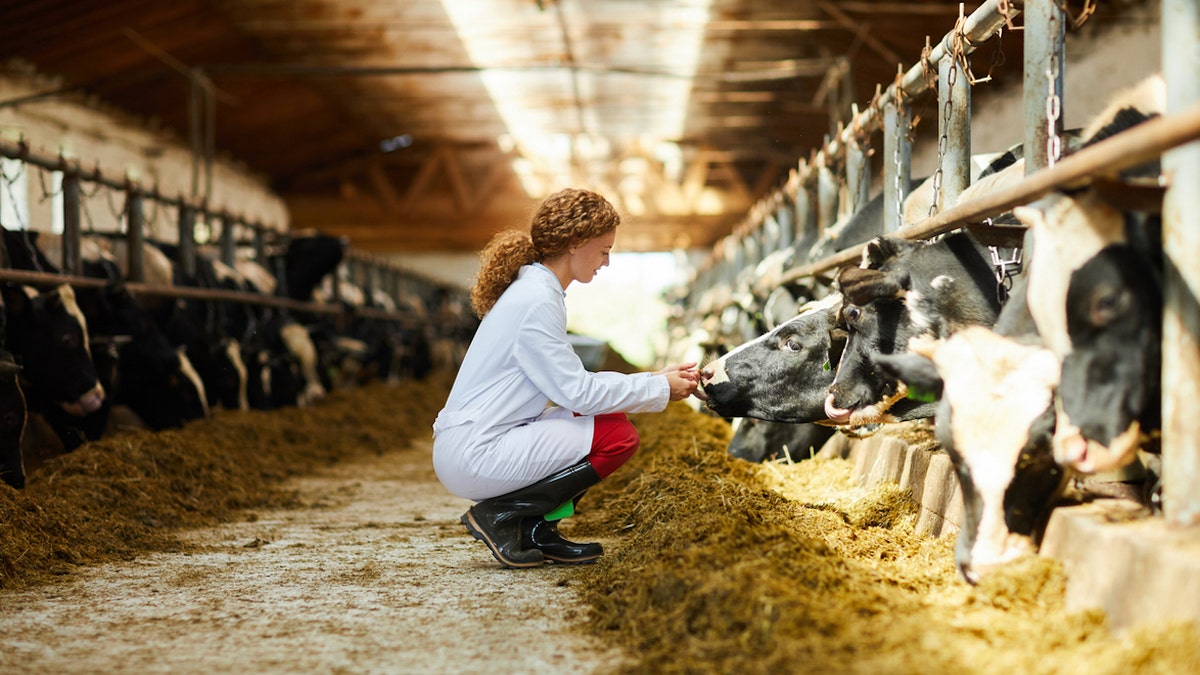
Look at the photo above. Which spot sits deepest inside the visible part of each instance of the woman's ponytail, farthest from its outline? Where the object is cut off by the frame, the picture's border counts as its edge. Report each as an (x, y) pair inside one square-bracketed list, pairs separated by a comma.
[(500, 261)]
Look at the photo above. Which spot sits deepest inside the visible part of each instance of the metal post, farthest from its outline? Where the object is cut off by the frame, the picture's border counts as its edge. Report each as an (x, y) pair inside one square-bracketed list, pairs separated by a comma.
[(228, 240), (827, 199), (897, 163), (1181, 241), (954, 130), (806, 215), (784, 216), (1045, 34), (135, 225), (260, 244), (72, 231), (858, 175), (770, 233), (187, 240)]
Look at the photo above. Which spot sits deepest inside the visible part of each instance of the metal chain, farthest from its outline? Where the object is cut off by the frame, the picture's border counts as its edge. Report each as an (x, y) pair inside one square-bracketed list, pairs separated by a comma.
[(944, 139), (1085, 13), (1053, 113), (896, 159), (997, 58), (1005, 269), (8, 187), (1002, 6), (84, 198), (47, 194)]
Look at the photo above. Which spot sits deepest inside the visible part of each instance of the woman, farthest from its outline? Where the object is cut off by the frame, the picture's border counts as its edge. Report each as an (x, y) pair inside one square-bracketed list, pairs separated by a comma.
[(527, 429)]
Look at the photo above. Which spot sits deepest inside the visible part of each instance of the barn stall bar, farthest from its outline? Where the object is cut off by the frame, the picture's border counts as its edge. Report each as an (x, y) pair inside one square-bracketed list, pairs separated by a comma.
[(737, 278), (360, 318)]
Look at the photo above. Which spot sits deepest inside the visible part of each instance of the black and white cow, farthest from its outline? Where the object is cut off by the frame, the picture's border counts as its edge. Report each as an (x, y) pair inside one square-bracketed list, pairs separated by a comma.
[(47, 335), (995, 418), (145, 372), (904, 290), (997, 435), (1080, 332), (759, 441), (782, 376), (1111, 390), (12, 422)]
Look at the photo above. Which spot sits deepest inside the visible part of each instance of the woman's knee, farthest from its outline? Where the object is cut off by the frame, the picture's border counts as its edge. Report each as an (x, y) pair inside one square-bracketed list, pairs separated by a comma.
[(614, 441)]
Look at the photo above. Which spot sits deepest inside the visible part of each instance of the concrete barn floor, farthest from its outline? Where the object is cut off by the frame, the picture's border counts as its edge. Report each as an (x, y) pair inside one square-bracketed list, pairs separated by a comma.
[(375, 575)]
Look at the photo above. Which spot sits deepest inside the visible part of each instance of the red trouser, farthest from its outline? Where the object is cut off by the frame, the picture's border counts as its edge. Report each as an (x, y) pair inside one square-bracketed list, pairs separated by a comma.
[(613, 442)]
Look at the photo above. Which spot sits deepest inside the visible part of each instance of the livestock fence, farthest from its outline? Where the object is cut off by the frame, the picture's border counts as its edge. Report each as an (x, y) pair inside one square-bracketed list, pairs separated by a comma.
[(92, 202), (835, 180)]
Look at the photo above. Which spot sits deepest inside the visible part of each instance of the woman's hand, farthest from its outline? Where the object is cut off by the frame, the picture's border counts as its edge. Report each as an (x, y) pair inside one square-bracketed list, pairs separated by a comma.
[(684, 378)]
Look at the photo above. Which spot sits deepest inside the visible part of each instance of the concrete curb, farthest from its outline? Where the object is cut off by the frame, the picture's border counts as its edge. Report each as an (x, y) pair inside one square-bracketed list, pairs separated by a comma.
[(1137, 569)]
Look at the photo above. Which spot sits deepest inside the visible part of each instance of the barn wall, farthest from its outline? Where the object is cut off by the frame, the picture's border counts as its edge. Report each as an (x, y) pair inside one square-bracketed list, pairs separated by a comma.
[(119, 145), (1099, 64)]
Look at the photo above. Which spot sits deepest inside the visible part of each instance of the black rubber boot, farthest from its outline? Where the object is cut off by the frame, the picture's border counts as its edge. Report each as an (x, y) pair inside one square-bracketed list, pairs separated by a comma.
[(497, 521), (544, 536)]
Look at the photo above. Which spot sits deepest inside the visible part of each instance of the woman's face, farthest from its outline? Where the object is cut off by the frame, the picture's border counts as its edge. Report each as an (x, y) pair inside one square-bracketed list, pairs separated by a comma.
[(587, 258)]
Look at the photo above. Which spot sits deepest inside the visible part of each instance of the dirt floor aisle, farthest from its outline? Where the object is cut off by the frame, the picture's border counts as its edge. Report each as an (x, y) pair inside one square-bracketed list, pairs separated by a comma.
[(374, 575)]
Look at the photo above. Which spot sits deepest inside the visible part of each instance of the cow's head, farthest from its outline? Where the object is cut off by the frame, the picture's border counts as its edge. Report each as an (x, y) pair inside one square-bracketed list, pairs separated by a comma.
[(48, 333), (780, 376), (995, 418), (308, 258), (903, 290), (1111, 378)]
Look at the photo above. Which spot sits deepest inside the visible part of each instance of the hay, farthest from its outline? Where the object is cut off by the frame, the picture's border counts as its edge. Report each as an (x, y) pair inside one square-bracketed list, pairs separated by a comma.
[(716, 571), (715, 565), (127, 493)]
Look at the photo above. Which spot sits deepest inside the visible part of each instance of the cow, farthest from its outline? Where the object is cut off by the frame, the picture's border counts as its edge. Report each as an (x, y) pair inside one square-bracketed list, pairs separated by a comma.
[(783, 375), (47, 336), (1096, 298), (1110, 390), (995, 418), (904, 289), (12, 422), (145, 372), (1069, 378), (759, 441)]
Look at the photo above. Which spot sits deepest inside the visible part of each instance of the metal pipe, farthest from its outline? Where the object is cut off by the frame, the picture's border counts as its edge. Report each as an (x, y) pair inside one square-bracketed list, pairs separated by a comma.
[(135, 222), (72, 260), (827, 199), (785, 217), (1045, 35), (20, 150), (187, 242), (858, 174), (1181, 242), (138, 288), (806, 215), (1130, 148), (228, 240)]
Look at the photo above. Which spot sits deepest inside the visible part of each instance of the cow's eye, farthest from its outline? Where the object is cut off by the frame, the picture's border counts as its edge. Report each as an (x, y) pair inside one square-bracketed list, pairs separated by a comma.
[(853, 313), (792, 344), (1108, 305)]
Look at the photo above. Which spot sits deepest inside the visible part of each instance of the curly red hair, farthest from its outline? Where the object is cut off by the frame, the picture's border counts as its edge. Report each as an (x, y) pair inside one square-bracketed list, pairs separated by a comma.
[(564, 219)]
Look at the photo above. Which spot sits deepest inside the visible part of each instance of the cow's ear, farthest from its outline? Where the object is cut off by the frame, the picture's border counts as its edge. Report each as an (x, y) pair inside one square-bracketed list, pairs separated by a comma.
[(917, 372), (1030, 216), (861, 286), (875, 252)]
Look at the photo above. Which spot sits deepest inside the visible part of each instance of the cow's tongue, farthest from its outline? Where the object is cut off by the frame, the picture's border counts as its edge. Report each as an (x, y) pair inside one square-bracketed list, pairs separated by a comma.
[(835, 413)]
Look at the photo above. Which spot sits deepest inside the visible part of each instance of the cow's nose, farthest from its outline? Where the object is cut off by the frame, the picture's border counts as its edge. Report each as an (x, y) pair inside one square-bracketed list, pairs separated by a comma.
[(706, 374)]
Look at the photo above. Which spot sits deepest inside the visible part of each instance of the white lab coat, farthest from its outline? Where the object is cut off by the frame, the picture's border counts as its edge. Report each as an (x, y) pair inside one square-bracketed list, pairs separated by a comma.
[(497, 432)]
